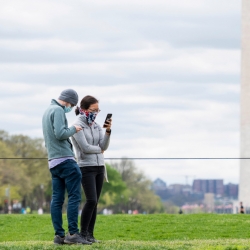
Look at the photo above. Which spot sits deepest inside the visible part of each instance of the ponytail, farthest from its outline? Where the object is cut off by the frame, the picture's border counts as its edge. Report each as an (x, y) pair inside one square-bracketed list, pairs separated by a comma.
[(77, 111)]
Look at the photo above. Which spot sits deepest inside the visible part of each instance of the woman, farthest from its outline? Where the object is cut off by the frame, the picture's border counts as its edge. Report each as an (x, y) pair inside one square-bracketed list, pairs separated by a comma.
[(89, 144)]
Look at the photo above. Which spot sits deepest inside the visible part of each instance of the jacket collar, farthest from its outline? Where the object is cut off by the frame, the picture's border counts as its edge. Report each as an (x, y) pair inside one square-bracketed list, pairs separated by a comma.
[(85, 123), (53, 101)]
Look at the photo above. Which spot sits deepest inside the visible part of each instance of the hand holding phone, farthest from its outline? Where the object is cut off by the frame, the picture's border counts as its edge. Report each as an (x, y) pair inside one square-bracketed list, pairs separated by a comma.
[(106, 122)]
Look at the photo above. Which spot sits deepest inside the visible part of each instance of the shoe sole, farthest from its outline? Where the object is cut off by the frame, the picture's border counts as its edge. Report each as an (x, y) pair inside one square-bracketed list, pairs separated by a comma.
[(77, 243)]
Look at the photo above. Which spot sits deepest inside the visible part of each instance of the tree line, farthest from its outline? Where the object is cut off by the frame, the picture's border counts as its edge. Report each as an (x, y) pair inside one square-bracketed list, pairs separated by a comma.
[(28, 181)]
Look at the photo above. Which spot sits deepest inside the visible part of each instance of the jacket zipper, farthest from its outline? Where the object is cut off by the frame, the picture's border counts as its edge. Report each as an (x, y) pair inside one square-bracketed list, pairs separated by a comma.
[(93, 145)]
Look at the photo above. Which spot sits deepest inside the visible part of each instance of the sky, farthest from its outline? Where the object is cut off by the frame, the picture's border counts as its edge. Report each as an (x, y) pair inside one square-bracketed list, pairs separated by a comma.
[(168, 71)]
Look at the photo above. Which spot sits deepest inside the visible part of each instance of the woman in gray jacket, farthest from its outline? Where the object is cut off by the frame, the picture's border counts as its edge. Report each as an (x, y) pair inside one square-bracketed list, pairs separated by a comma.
[(89, 144)]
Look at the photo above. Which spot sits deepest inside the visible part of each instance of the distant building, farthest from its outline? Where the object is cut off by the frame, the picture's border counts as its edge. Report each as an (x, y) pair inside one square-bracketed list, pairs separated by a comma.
[(187, 190), (231, 190), (219, 187), (160, 188), (179, 189), (197, 186), (175, 188), (159, 184), (209, 202), (208, 186)]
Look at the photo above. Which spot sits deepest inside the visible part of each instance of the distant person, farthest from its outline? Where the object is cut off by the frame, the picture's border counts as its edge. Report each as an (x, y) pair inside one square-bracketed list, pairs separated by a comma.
[(90, 143), (180, 211), (242, 210), (40, 211), (9, 209), (28, 210), (135, 211), (65, 172)]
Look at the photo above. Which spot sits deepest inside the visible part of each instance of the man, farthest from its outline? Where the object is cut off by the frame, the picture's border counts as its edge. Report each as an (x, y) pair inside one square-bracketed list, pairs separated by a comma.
[(65, 172)]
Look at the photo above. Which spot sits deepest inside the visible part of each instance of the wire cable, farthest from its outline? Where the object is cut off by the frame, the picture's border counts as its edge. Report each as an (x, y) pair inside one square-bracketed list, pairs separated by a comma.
[(138, 158)]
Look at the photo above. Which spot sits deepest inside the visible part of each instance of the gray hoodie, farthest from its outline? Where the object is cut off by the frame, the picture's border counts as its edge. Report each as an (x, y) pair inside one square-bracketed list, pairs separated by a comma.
[(89, 143)]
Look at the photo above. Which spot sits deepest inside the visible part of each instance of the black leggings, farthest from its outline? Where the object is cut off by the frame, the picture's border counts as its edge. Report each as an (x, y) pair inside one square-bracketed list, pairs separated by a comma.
[(92, 181)]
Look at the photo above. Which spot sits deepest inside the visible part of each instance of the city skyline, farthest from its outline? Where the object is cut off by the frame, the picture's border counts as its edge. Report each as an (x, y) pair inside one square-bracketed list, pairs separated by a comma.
[(198, 187), (190, 183)]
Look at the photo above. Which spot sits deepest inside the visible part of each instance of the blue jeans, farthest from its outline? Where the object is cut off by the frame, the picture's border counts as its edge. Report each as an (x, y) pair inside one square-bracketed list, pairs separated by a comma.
[(66, 176)]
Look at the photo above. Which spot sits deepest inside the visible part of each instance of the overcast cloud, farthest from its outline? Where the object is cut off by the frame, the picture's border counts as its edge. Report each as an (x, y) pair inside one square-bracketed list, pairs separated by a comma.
[(168, 70)]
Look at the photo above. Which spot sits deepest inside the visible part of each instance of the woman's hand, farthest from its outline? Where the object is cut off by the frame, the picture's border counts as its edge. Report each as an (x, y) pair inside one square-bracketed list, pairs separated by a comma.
[(108, 125)]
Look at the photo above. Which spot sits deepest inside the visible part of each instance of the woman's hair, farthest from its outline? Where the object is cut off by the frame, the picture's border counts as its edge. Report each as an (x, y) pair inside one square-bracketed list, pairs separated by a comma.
[(86, 102)]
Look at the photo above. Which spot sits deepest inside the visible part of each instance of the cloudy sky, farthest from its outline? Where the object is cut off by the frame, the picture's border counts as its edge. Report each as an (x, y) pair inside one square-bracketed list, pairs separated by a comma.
[(168, 70)]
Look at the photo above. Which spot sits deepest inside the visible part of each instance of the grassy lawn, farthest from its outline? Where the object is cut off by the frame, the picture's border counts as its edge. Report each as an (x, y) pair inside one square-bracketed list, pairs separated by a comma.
[(162, 231)]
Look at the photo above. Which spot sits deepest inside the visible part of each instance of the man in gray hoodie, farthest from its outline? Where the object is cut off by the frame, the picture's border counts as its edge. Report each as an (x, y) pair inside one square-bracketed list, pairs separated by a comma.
[(65, 172)]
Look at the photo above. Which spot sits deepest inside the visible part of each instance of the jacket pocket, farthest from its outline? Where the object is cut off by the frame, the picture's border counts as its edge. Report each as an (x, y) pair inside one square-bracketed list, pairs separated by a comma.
[(88, 159)]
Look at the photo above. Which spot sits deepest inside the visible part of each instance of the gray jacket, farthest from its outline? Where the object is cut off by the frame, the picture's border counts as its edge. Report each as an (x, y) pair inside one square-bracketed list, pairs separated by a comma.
[(89, 143)]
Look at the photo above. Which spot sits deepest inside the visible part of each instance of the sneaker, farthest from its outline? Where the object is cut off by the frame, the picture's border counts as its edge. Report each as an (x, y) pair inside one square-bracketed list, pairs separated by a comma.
[(59, 240), (90, 237), (84, 235), (76, 239)]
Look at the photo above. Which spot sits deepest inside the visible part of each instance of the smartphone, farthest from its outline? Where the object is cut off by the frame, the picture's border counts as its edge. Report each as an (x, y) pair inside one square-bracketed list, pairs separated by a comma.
[(108, 117)]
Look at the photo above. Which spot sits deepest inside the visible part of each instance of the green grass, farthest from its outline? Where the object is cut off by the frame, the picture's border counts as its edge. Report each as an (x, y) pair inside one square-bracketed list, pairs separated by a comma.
[(162, 231)]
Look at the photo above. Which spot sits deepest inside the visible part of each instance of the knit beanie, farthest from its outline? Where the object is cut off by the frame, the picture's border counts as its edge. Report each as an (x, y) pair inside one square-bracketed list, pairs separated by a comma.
[(69, 95)]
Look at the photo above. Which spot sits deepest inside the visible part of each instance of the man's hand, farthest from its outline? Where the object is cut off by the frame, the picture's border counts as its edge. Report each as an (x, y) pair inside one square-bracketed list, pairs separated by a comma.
[(78, 128)]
